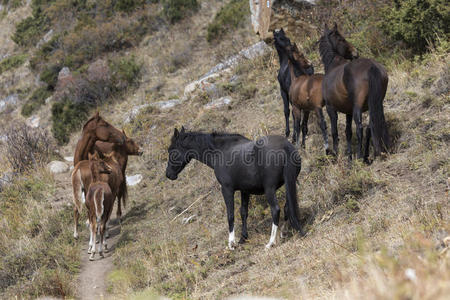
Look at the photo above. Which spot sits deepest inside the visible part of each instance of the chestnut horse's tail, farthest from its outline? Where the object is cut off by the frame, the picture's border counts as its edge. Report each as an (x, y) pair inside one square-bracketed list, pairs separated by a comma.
[(377, 91), (124, 192), (77, 186)]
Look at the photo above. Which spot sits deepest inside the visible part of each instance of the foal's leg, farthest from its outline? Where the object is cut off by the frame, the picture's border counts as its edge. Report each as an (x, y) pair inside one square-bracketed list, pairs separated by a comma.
[(323, 127), (91, 239), (93, 224), (275, 209), (348, 135), (228, 196), (244, 213), (332, 113), (367, 150), (305, 126), (285, 97), (102, 237), (357, 116)]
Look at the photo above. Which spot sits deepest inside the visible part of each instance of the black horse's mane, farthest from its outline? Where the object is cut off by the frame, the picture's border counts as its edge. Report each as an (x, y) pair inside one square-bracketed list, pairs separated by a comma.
[(326, 51), (214, 139)]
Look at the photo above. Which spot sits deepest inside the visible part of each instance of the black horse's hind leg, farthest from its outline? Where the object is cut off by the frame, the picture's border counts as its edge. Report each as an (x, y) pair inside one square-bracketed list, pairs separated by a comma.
[(332, 113), (285, 97), (323, 127), (228, 196), (348, 135), (297, 120), (357, 116), (305, 126), (275, 209), (244, 213), (367, 149)]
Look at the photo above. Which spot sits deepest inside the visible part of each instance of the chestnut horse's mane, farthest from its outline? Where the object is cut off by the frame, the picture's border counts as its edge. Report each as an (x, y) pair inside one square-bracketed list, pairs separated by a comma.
[(90, 119)]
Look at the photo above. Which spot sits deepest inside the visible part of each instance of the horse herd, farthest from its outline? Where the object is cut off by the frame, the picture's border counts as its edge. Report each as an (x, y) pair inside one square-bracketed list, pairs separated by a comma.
[(350, 85)]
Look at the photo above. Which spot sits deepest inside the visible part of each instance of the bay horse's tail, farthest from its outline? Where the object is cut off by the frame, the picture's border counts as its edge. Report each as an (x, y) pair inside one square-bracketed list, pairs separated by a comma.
[(377, 91), (77, 186), (124, 192), (290, 173)]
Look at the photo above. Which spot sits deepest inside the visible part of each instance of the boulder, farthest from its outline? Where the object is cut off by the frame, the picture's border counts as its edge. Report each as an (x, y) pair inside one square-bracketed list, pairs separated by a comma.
[(218, 103), (58, 167), (33, 121), (166, 104), (134, 180), (9, 100)]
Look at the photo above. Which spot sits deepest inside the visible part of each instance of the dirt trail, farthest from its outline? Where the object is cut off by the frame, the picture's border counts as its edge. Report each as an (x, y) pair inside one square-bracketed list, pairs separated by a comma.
[(93, 275)]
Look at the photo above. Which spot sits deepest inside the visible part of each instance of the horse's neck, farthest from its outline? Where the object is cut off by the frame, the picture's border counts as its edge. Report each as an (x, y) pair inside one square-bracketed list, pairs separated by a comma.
[(84, 145), (337, 61), (292, 72), (282, 57)]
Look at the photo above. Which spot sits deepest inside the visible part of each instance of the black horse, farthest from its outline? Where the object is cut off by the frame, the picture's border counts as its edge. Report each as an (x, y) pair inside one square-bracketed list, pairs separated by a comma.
[(251, 167), (282, 43)]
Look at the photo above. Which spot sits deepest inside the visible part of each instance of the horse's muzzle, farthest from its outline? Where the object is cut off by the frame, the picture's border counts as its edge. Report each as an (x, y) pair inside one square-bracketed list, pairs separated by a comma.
[(171, 176)]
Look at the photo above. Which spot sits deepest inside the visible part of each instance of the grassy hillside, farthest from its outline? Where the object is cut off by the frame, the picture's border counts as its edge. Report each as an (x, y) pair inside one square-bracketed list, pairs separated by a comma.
[(373, 231)]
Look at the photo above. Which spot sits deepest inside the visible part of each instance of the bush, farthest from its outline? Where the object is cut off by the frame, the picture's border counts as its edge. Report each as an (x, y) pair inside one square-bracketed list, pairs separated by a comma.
[(67, 116), (125, 71), (27, 147), (12, 62), (417, 22), (176, 10), (128, 5), (229, 17), (30, 30), (36, 100), (50, 76)]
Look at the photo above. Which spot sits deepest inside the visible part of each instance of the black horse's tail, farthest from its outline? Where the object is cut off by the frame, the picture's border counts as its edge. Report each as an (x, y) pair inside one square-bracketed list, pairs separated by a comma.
[(291, 171), (377, 91)]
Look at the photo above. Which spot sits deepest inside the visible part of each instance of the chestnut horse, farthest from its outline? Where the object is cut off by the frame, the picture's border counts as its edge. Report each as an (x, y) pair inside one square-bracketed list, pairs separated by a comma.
[(353, 85), (305, 95), (99, 203), (281, 42), (96, 128), (82, 179)]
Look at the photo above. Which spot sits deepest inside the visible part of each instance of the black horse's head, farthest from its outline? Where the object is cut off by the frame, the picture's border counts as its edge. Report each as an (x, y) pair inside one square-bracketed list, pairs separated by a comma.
[(280, 39), (299, 60), (179, 155), (339, 44)]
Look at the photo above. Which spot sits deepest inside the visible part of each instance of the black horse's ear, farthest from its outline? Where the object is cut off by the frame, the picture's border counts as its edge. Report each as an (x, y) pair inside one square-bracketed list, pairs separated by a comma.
[(282, 30), (176, 133), (326, 27), (182, 129), (335, 26)]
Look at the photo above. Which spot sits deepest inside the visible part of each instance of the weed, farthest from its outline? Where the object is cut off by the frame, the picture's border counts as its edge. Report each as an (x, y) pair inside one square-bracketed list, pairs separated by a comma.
[(12, 62)]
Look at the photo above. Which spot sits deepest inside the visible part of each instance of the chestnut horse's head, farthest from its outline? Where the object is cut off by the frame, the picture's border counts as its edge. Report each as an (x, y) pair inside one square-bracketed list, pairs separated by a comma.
[(339, 44), (103, 131), (131, 146), (299, 60)]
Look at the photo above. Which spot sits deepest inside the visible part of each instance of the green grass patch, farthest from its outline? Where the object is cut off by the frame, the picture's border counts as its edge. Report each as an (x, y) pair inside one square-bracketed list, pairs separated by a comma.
[(12, 62), (176, 10), (230, 17), (36, 100)]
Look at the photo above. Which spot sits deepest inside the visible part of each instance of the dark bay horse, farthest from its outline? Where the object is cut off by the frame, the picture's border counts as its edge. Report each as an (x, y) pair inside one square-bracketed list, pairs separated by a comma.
[(251, 167), (99, 204), (96, 128), (281, 42), (305, 95), (352, 86)]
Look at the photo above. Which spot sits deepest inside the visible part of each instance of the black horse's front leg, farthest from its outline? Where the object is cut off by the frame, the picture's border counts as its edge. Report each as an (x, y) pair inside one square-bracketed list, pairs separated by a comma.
[(275, 210), (332, 113), (285, 97), (348, 135), (357, 116), (244, 213), (228, 196)]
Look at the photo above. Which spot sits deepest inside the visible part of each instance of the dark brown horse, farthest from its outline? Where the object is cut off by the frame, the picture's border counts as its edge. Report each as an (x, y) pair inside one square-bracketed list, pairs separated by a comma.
[(96, 128), (305, 95), (352, 86)]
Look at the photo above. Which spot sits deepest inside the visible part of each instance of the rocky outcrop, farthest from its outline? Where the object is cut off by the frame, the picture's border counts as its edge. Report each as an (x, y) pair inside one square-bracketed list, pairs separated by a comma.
[(8, 101), (58, 167)]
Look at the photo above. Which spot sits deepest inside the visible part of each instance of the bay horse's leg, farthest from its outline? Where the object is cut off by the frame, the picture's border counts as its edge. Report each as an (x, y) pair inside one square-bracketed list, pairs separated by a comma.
[(244, 213), (296, 114), (275, 209), (367, 150), (332, 113), (323, 127), (357, 116), (305, 126), (228, 196), (102, 237), (348, 135), (285, 97)]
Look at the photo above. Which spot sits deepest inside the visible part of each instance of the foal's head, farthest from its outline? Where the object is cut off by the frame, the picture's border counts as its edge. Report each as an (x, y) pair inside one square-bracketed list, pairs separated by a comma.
[(338, 43), (179, 154), (299, 60), (97, 166), (102, 130)]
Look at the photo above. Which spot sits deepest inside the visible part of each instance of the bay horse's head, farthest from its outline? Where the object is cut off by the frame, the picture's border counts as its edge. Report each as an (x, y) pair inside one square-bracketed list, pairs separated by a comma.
[(179, 154), (132, 148), (299, 60), (97, 166), (100, 129), (339, 44)]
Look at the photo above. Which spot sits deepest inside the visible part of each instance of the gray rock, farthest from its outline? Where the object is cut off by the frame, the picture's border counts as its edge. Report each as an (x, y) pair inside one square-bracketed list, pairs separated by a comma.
[(166, 104), (9, 100), (134, 180), (134, 112), (218, 103), (189, 219), (64, 73), (33, 121), (68, 158), (46, 38), (57, 167)]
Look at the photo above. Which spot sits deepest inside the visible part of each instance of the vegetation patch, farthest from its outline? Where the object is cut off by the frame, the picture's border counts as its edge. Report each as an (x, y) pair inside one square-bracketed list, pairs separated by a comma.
[(176, 10), (12, 62), (230, 17), (36, 100), (30, 30), (67, 117)]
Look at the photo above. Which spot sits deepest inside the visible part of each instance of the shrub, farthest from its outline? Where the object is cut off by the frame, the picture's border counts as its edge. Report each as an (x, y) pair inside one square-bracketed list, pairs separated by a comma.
[(229, 17), (128, 5), (417, 22), (50, 76), (36, 100), (67, 116), (176, 10), (12, 62), (30, 30), (27, 148), (125, 71)]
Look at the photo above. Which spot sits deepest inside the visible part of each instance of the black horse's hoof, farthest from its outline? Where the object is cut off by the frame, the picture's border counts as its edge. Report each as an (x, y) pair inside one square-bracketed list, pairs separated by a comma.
[(368, 161), (288, 133), (242, 240)]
